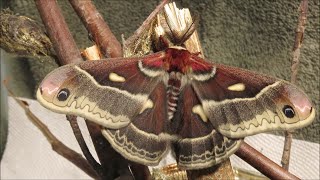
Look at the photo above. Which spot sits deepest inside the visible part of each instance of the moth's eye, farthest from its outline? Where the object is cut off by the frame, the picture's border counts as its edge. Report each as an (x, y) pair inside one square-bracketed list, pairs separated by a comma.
[(63, 94), (288, 111)]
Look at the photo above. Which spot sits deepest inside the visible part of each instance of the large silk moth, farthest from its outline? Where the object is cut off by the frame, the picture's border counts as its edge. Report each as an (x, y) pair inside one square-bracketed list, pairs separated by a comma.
[(175, 99)]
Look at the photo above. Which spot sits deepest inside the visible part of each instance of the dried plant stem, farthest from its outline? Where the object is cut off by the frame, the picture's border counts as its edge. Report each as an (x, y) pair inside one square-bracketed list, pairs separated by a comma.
[(298, 40), (97, 27), (294, 71), (262, 163), (140, 171), (136, 35), (285, 160)]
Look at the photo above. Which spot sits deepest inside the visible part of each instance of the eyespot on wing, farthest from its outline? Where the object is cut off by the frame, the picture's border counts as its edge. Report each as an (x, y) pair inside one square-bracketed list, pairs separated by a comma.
[(56, 85), (302, 106)]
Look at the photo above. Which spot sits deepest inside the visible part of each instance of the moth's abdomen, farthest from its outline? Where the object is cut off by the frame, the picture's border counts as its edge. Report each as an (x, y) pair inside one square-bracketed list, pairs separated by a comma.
[(173, 91)]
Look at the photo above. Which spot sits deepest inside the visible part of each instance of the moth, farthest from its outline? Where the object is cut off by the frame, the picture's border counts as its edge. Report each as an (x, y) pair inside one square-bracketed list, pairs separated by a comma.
[(174, 99)]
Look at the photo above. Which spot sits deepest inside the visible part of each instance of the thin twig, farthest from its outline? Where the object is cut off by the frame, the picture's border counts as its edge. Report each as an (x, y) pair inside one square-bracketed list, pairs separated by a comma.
[(57, 145), (85, 150), (113, 164), (285, 160), (97, 27), (140, 171), (298, 40), (262, 163), (294, 71)]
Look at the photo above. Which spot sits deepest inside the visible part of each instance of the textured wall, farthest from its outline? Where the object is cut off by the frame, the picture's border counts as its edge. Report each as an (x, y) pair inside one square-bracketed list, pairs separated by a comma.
[(253, 34)]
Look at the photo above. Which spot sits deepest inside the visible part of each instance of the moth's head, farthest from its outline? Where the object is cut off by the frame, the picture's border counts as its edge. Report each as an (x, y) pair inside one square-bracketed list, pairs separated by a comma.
[(295, 104), (57, 87)]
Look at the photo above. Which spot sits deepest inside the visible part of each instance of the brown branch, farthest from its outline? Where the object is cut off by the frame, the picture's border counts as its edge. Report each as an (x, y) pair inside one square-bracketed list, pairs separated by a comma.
[(294, 71), (97, 27), (285, 160), (58, 31), (57, 145), (262, 163)]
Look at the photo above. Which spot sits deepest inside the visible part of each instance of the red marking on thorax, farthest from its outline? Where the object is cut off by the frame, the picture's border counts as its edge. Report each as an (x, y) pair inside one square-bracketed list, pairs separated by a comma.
[(180, 60)]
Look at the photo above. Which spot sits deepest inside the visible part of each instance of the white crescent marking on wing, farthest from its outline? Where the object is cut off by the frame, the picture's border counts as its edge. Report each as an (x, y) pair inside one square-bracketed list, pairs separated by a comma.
[(237, 87), (116, 78), (147, 105), (197, 109), (203, 77)]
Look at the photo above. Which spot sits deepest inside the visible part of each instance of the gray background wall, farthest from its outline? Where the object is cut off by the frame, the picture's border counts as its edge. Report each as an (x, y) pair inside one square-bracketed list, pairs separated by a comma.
[(253, 34)]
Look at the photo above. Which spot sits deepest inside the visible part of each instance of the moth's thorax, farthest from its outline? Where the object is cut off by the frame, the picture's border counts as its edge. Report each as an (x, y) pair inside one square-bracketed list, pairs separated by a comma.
[(177, 60)]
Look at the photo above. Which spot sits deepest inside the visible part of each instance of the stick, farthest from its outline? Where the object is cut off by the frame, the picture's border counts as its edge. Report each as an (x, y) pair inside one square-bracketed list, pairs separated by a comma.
[(294, 71), (97, 27), (58, 31), (298, 40), (262, 163)]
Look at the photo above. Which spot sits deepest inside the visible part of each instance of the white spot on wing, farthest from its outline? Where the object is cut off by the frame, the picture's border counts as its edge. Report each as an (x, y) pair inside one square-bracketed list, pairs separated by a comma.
[(237, 87), (135, 97), (146, 105), (211, 103), (116, 78), (197, 109)]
